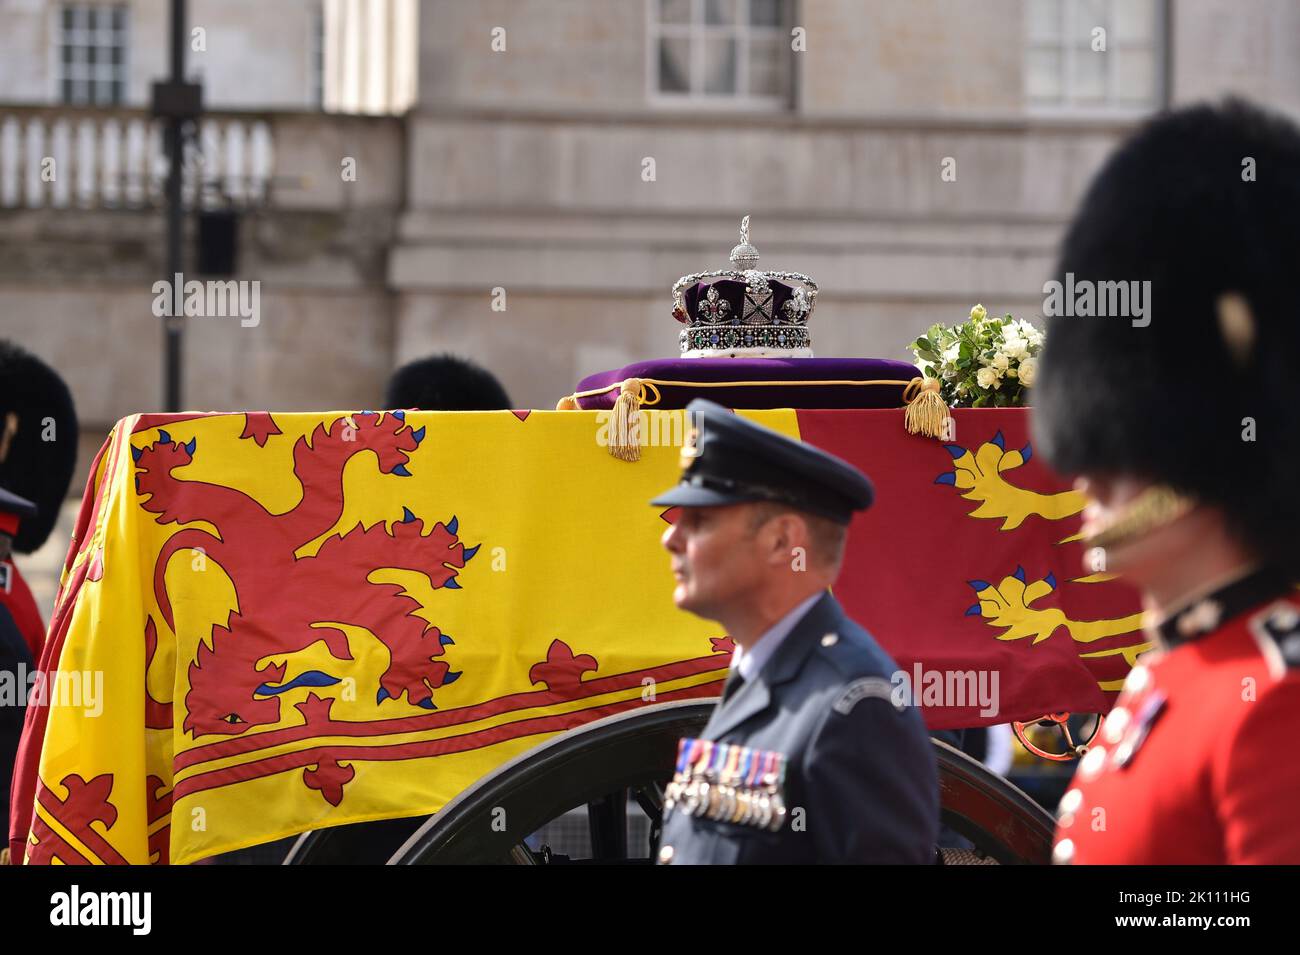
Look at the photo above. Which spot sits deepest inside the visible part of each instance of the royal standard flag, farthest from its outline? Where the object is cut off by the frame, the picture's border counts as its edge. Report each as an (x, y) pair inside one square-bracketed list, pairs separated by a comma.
[(282, 623)]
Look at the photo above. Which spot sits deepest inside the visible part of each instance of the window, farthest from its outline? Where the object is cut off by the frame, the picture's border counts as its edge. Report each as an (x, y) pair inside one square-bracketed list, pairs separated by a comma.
[(1063, 70), (91, 66), (706, 50)]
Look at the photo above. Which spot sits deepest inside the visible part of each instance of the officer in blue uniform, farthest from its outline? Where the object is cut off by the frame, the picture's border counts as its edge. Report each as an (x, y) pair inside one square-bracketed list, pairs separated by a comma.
[(807, 758)]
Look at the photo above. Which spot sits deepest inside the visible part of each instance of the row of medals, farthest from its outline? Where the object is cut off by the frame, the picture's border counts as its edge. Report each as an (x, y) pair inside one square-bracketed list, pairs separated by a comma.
[(728, 783)]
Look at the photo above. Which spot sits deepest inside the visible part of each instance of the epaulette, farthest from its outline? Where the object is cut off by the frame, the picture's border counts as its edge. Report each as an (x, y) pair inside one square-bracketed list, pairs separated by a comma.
[(847, 656)]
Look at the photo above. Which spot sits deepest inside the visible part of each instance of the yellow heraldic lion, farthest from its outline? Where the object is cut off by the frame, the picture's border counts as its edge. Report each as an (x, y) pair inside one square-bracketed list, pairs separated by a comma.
[(979, 475), (1008, 605)]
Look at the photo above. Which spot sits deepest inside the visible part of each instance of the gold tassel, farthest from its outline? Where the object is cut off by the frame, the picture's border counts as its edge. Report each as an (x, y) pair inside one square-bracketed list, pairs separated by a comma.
[(623, 422), (926, 412), (568, 403)]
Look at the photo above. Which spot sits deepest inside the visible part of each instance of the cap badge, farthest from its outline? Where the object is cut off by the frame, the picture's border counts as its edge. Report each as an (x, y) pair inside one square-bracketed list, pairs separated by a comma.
[(690, 446)]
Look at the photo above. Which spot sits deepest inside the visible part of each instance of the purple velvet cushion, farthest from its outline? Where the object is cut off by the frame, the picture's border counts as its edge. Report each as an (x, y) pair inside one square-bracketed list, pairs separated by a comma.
[(811, 370)]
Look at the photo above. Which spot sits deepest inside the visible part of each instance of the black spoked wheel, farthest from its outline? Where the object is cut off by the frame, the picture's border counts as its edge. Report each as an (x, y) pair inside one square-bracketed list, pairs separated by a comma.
[(598, 766), (626, 759), (1003, 823)]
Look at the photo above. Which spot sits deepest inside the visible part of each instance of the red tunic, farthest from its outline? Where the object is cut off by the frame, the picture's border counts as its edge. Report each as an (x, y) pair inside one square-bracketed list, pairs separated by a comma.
[(1196, 764)]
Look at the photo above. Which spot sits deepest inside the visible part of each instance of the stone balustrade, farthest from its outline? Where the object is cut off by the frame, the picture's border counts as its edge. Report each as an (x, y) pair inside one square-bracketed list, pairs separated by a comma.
[(69, 157)]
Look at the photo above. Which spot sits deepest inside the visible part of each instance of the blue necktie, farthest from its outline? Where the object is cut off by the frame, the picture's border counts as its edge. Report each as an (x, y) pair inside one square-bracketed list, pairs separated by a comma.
[(734, 682)]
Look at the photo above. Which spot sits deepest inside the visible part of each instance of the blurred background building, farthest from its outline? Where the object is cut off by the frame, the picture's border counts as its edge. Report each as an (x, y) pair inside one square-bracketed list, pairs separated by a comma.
[(383, 167)]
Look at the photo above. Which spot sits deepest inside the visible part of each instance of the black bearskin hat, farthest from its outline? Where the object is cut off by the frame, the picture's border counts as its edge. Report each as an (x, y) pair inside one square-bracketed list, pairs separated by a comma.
[(37, 415), (1200, 392), (445, 383)]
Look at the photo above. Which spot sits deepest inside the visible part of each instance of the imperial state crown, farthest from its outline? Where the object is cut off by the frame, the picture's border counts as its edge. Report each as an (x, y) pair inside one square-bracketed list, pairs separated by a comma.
[(743, 311)]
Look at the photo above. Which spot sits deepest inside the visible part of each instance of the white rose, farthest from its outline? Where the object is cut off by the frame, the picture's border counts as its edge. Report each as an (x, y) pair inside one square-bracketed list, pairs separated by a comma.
[(1028, 369), (1029, 333), (987, 378), (1001, 362), (1015, 347)]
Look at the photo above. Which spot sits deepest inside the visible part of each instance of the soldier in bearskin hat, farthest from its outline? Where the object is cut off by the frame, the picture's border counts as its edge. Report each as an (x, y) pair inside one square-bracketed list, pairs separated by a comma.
[(445, 383), (1180, 424), (38, 452)]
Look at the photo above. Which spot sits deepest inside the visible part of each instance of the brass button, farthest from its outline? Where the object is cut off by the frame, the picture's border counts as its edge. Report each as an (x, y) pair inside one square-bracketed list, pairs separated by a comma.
[(830, 640), (1063, 854), (1116, 722), (1137, 680)]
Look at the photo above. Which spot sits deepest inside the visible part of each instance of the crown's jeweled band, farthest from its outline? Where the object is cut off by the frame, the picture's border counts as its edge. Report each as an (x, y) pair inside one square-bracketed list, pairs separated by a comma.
[(745, 336)]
